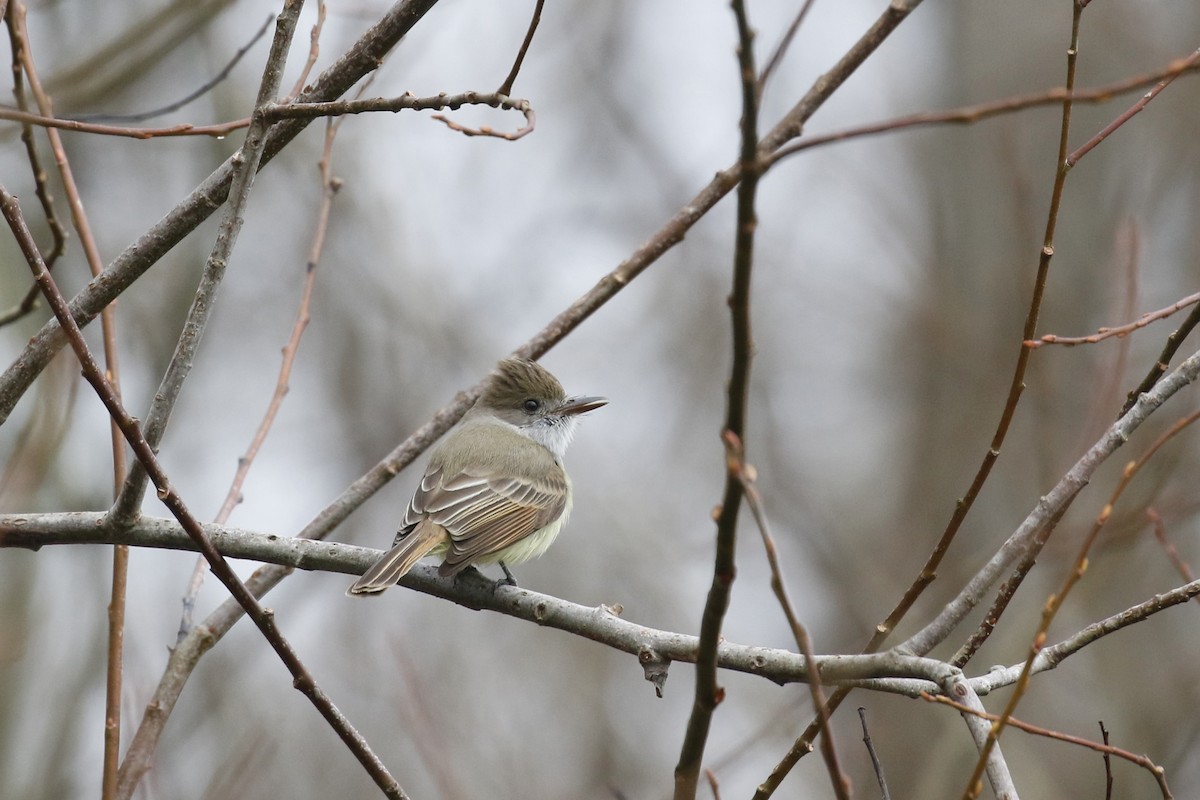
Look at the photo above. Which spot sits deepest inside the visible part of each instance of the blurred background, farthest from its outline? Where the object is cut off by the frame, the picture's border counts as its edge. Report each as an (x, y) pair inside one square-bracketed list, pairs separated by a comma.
[(892, 278)]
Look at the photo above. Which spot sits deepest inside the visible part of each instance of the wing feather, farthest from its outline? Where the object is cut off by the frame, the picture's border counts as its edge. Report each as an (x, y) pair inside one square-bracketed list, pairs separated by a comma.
[(486, 515)]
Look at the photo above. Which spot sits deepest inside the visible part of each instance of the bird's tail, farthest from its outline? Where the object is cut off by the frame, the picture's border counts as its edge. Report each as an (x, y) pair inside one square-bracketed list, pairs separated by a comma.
[(395, 563)]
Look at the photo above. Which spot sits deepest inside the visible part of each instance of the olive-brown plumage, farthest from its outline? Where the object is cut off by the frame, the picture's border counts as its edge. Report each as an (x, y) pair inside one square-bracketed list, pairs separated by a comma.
[(495, 489)]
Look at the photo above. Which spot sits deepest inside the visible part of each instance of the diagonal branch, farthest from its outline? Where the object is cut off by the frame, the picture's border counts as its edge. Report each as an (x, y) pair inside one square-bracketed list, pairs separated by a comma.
[(263, 618), (245, 167), (361, 59)]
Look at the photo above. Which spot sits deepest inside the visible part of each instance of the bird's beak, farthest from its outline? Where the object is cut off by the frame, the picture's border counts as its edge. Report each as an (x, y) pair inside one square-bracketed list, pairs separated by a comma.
[(581, 405)]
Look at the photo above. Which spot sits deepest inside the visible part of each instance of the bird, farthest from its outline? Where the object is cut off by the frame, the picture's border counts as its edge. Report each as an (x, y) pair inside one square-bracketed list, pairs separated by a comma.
[(495, 490)]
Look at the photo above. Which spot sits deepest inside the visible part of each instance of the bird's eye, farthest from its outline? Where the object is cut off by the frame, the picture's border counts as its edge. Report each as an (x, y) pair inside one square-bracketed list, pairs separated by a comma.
[(531, 405)]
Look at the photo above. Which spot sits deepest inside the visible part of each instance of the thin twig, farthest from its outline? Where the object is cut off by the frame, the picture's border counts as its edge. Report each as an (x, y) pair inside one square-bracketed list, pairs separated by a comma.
[(1160, 533), (114, 660), (1118, 330), (1076, 573), (1163, 362), (708, 694), (245, 163), (360, 60), (506, 87), (1108, 776), (57, 232), (782, 48), (969, 115), (1191, 62), (263, 618), (314, 52), (185, 100), (217, 130), (790, 127), (1108, 750), (409, 101), (329, 188), (875, 763), (736, 464)]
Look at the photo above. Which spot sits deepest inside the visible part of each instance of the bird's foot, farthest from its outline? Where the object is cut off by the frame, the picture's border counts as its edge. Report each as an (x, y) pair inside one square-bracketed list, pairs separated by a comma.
[(508, 579)]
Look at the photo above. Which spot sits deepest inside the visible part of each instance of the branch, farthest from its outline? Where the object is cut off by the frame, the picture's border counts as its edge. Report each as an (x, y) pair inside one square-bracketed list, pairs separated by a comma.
[(904, 675), (601, 624), (1119, 330), (708, 694), (358, 61), (409, 101), (1051, 505), (263, 618), (245, 166), (1157, 772)]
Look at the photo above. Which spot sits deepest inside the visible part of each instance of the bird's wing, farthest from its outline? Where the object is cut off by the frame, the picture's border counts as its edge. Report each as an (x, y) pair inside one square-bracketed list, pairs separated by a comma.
[(484, 514)]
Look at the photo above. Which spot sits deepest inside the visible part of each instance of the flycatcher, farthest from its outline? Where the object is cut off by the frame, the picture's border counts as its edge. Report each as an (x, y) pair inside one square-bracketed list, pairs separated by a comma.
[(495, 489)]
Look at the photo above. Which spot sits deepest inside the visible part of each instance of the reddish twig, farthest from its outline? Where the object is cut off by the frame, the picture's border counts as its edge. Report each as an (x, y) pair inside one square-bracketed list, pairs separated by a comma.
[(1160, 533), (735, 463), (1118, 330), (314, 51), (114, 660), (1190, 62), (968, 115), (329, 188), (711, 777), (1075, 574), (1163, 362), (262, 617), (218, 130), (57, 232), (1142, 761)]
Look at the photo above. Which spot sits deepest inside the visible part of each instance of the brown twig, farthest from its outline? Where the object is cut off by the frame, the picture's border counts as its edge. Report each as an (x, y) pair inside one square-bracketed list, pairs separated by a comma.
[(57, 232), (735, 462), (1190, 62), (969, 115), (782, 48), (708, 693), (246, 162), (361, 59), (1108, 776), (329, 188), (1075, 574), (1005, 594), (711, 777), (120, 567), (218, 130), (262, 617), (1163, 362), (1118, 330), (1105, 748), (1160, 533), (187, 99), (506, 87), (314, 52), (875, 763)]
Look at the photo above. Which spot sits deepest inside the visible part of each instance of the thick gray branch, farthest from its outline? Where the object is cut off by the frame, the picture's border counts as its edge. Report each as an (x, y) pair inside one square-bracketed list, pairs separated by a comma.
[(600, 624)]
